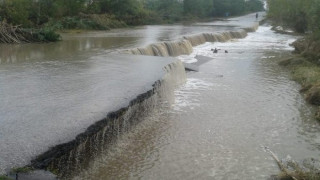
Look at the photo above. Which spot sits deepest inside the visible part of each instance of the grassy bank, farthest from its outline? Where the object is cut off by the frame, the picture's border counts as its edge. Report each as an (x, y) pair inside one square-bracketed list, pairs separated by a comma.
[(5, 178), (305, 68)]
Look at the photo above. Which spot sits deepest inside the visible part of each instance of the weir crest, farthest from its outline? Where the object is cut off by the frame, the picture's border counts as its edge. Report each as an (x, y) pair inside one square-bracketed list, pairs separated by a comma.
[(186, 44)]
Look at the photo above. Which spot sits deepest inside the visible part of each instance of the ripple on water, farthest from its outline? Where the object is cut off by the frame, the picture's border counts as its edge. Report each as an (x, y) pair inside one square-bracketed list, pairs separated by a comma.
[(222, 119)]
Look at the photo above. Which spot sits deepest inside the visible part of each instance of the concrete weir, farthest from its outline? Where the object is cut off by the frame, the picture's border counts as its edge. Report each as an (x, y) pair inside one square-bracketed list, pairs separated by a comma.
[(61, 127), (186, 44), (72, 157)]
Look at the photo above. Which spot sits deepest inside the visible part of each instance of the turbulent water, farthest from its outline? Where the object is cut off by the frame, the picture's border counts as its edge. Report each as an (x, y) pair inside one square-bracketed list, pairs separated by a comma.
[(220, 122), (216, 126)]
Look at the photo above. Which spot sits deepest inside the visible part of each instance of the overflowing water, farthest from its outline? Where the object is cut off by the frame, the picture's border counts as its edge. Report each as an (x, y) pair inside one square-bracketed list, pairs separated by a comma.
[(216, 126), (221, 120), (47, 103)]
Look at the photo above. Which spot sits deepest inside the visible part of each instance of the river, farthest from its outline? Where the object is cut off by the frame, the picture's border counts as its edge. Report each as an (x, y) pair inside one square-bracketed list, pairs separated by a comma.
[(215, 126), (221, 120)]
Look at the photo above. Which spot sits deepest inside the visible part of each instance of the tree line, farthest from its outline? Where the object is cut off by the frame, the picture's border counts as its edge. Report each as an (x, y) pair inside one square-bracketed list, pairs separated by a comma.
[(108, 13), (302, 15)]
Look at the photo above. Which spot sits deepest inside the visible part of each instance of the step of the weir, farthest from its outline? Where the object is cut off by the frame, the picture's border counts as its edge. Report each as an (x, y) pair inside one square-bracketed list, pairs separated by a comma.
[(44, 104)]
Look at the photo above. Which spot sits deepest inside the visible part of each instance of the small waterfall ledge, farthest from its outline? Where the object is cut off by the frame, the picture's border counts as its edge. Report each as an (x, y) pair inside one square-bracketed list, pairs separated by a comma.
[(186, 44), (67, 159)]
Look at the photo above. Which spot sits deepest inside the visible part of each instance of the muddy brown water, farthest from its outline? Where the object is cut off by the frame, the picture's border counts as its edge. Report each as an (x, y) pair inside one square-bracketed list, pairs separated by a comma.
[(219, 123), (216, 126)]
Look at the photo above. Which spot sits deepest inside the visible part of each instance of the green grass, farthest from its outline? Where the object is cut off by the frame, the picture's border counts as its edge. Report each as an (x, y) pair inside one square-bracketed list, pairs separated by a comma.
[(307, 73), (303, 71), (21, 169), (3, 177)]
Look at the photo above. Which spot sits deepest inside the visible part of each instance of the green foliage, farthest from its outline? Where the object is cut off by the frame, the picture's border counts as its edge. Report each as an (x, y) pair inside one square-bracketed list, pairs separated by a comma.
[(2, 177), (301, 15), (89, 22), (205, 8), (78, 23), (24, 169), (314, 16), (106, 21), (199, 8), (16, 11), (60, 14), (48, 34), (165, 10)]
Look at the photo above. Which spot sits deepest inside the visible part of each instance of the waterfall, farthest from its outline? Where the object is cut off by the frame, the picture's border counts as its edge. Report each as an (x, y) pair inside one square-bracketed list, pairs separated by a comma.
[(184, 46), (160, 49), (252, 28), (176, 48), (70, 158), (148, 50), (196, 40)]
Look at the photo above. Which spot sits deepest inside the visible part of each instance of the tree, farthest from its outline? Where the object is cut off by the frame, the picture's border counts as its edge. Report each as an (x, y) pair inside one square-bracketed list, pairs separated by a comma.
[(16, 11), (298, 14)]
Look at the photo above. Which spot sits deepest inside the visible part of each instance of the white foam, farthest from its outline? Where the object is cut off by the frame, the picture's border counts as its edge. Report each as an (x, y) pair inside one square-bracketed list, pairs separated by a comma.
[(186, 97)]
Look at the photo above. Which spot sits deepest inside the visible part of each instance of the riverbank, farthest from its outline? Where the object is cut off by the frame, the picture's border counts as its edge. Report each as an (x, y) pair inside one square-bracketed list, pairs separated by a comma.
[(10, 34), (305, 69)]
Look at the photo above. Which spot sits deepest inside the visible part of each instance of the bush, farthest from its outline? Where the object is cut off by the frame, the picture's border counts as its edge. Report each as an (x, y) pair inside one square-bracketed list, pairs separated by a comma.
[(49, 35), (89, 22), (302, 15), (2, 177)]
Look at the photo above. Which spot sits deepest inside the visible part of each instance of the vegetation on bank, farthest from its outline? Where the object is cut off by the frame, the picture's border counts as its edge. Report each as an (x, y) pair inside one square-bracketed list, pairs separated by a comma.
[(4, 178), (301, 15), (15, 34), (107, 14), (305, 69)]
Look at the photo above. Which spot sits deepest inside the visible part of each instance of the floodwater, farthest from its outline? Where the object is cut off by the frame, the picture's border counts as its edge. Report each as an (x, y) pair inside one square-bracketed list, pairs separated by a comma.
[(216, 126), (222, 120), (93, 43), (51, 92), (50, 102)]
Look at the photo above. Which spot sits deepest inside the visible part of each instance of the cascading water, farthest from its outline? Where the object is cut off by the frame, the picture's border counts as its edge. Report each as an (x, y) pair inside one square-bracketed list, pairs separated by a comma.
[(71, 158), (160, 49), (75, 156), (185, 46), (221, 120)]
